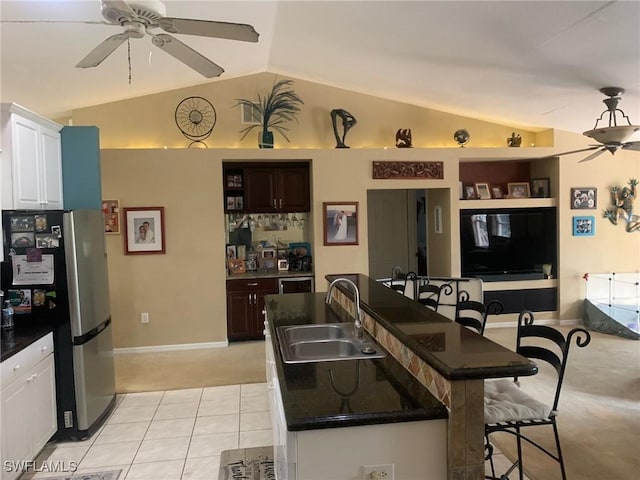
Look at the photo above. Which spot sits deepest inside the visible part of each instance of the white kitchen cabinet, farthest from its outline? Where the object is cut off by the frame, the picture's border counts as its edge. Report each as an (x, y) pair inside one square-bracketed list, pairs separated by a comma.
[(31, 160), (28, 408)]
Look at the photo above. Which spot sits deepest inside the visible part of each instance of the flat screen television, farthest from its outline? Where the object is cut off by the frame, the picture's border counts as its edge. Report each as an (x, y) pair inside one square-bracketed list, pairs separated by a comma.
[(508, 243)]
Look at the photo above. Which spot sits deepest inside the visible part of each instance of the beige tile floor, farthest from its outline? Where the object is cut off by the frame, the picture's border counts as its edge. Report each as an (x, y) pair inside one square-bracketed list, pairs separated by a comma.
[(175, 434), (170, 435)]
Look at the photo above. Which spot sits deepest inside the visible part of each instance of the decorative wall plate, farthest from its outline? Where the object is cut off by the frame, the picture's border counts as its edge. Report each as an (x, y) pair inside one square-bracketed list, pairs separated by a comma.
[(196, 117)]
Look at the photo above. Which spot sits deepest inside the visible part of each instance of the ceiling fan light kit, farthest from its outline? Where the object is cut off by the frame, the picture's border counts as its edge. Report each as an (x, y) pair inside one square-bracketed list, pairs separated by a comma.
[(619, 129), (139, 18)]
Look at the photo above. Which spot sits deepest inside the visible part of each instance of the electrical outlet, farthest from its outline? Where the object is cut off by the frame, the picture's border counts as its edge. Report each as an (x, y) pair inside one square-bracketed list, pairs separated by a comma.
[(144, 317), (377, 472)]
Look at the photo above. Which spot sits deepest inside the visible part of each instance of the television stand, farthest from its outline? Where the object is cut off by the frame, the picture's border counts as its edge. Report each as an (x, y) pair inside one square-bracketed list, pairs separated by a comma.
[(510, 277)]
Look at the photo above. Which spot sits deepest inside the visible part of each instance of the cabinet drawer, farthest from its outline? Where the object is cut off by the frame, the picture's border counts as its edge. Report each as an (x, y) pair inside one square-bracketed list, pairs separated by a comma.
[(253, 284), (25, 360)]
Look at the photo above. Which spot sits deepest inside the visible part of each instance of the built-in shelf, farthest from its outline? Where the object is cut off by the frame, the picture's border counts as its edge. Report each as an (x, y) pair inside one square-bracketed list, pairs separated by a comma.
[(508, 203), (519, 285)]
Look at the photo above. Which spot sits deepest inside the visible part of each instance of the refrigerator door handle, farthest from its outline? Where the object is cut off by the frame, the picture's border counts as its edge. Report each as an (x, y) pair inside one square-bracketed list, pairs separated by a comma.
[(82, 339)]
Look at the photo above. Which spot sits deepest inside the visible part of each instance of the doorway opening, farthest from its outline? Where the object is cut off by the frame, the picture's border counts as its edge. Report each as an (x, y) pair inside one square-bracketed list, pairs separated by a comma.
[(409, 229)]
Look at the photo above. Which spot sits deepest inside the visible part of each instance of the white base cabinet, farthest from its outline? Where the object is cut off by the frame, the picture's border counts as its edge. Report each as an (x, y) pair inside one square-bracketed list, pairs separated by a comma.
[(31, 160), (28, 407)]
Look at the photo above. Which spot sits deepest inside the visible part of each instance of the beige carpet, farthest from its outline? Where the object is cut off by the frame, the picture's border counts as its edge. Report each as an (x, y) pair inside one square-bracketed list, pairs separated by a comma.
[(240, 362), (599, 411)]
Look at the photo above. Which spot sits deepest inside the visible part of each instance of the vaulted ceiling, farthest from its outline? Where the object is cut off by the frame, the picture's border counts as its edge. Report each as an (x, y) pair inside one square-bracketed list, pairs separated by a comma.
[(536, 64)]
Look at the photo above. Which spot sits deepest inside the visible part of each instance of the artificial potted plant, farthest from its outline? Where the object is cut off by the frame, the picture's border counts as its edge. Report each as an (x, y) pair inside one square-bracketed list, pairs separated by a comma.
[(272, 111)]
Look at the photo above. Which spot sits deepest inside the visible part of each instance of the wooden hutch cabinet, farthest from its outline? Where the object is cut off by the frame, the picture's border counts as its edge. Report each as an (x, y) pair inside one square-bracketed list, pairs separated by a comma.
[(267, 187)]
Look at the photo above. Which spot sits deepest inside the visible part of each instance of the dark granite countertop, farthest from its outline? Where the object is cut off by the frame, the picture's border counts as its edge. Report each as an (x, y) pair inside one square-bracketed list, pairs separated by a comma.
[(19, 338), (347, 392), (268, 274), (456, 352)]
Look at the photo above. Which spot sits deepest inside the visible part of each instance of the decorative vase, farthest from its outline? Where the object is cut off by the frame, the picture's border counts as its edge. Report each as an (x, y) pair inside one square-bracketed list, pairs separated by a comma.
[(265, 140)]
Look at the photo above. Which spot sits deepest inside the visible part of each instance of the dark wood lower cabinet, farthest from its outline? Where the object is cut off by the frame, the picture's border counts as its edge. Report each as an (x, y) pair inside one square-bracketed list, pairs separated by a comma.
[(245, 302)]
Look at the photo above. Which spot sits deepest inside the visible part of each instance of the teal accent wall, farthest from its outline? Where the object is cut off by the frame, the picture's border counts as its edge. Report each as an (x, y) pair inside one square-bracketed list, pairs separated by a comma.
[(81, 180)]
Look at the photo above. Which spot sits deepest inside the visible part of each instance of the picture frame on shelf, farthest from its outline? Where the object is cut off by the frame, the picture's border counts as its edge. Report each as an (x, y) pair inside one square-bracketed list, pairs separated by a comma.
[(584, 198), (518, 190), (300, 249), (482, 189), (584, 226), (268, 253), (232, 252), (236, 265), (340, 222), (144, 230), (111, 212), (540, 187), (231, 203), (496, 192), (250, 265), (234, 180), (283, 264), (470, 192)]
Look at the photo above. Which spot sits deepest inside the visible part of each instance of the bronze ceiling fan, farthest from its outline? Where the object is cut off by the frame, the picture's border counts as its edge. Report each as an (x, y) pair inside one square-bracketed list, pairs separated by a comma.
[(614, 135)]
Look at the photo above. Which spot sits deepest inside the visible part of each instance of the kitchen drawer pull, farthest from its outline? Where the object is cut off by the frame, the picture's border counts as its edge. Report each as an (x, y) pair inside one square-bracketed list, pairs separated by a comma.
[(280, 204), (274, 203), (44, 348), (16, 367), (254, 284)]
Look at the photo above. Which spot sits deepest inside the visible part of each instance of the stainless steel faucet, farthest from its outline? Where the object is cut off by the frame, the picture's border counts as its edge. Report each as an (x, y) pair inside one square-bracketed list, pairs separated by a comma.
[(356, 295)]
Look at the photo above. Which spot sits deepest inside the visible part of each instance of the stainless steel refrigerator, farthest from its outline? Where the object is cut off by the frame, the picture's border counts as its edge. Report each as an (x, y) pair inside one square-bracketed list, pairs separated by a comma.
[(70, 292)]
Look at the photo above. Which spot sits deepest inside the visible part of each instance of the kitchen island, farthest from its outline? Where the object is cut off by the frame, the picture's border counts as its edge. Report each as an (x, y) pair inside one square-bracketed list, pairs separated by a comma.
[(425, 352)]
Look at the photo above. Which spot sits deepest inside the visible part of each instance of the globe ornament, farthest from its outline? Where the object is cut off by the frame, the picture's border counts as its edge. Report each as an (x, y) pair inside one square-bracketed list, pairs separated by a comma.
[(461, 137)]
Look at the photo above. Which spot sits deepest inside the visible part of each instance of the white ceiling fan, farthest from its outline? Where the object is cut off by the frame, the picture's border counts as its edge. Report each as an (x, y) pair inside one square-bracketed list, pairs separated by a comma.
[(142, 17)]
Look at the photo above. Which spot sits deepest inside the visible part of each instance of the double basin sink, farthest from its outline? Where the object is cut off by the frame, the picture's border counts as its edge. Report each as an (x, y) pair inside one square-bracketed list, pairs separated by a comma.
[(325, 343)]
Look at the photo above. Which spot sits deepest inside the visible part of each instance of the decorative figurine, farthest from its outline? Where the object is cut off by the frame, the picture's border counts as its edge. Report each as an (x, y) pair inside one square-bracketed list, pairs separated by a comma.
[(514, 140), (623, 206), (462, 137), (403, 138), (348, 121)]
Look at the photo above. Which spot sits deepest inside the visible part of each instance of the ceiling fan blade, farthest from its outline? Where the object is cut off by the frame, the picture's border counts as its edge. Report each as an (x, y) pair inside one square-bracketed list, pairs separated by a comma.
[(570, 152), (102, 51), (593, 155), (85, 22), (118, 5), (187, 55), (631, 146), (206, 28)]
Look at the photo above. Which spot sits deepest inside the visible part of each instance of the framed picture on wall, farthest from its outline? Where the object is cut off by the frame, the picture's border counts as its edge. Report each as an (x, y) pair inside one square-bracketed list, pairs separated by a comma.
[(340, 220), (111, 212), (584, 226), (144, 230), (584, 198)]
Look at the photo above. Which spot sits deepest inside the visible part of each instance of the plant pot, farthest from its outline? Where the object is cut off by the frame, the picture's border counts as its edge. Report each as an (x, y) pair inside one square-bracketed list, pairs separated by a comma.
[(265, 139)]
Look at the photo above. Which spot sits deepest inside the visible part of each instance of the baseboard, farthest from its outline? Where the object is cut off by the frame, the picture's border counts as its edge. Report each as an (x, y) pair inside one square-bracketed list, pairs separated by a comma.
[(171, 348)]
